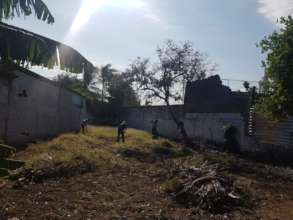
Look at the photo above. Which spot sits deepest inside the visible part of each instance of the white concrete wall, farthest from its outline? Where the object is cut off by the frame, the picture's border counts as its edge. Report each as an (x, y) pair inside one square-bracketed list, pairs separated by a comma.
[(47, 110), (142, 117), (69, 115), (211, 126), (32, 116), (208, 126)]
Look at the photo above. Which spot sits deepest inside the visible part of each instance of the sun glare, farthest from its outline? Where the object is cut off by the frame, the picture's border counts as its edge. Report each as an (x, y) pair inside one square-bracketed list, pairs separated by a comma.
[(85, 12), (89, 7)]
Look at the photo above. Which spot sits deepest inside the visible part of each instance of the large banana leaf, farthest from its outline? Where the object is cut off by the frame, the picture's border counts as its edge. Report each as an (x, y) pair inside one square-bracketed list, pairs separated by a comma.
[(12, 8), (23, 46)]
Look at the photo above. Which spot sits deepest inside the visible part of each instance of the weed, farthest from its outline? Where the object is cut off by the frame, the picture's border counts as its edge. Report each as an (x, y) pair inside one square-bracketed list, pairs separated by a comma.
[(173, 185)]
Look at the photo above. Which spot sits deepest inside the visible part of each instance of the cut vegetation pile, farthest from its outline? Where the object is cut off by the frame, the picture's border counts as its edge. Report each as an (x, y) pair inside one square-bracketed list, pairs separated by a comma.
[(209, 188), (34, 176)]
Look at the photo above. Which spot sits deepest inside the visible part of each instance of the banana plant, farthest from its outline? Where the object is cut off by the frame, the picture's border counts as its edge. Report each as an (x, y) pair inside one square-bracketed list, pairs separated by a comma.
[(6, 165), (12, 8)]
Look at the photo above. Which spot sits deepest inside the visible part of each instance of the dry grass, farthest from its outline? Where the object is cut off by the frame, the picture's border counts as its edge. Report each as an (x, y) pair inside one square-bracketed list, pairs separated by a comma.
[(98, 147)]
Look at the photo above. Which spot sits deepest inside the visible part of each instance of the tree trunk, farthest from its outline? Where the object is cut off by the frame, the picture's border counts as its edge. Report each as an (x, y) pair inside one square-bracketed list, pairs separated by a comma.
[(103, 82), (180, 126)]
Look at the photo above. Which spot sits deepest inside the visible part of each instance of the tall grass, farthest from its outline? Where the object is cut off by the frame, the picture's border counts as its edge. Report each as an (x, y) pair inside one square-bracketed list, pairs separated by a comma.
[(97, 146)]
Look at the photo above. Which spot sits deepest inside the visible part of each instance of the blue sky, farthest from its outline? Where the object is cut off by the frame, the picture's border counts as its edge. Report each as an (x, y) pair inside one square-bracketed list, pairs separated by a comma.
[(117, 31)]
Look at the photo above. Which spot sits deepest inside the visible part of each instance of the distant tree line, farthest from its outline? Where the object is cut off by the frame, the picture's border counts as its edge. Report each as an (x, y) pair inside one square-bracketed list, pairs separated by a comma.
[(108, 86)]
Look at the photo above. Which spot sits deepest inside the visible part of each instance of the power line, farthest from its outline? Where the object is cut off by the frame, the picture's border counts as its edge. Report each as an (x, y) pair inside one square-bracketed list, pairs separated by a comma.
[(239, 80)]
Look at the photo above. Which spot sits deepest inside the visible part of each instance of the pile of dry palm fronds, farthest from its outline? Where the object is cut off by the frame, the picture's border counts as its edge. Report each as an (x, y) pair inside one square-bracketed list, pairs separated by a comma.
[(207, 187)]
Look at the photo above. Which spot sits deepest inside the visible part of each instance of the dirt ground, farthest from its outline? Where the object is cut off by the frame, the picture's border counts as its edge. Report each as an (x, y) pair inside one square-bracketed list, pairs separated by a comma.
[(134, 190), (128, 193)]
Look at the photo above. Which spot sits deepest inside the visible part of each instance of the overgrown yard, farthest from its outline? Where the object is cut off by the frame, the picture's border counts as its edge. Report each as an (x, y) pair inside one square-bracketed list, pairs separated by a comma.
[(77, 176)]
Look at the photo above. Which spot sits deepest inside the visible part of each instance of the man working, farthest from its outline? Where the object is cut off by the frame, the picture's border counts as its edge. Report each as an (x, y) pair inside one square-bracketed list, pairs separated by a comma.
[(121, 131), (83, 125), (155, 129)]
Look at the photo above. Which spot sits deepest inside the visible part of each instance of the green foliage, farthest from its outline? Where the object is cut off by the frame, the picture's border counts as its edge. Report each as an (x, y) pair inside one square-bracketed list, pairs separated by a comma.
[(246, 85), (8, 164), (121, 94), (277, 84), (11, 8), (24, 47), (4, 172), (106, 73), (177, 64), (173, 185), (78, 85), (6, 151), (11, 164), (116, 88)]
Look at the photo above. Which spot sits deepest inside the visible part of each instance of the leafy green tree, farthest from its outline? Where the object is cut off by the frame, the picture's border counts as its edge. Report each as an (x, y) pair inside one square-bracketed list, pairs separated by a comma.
[(277, 84), (116, 87), (177, 64), (106, 74), (246, 86), (11, 8), (77, 85), (121, 94)]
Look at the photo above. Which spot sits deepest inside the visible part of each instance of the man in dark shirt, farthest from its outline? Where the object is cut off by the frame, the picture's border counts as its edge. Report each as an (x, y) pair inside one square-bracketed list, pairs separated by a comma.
[(121, 131), (155, 129), (83, 125)]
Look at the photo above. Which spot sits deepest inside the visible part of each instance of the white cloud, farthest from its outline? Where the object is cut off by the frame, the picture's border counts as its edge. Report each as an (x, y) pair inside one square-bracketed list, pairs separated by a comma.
[(274, 9)]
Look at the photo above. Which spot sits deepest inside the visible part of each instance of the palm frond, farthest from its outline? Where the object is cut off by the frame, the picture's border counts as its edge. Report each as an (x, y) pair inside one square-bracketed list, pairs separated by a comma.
[(22, 46), (12, 8)]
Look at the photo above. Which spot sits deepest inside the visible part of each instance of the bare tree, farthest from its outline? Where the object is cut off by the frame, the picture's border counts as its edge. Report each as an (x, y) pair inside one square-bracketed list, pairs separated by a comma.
[(177, 64)]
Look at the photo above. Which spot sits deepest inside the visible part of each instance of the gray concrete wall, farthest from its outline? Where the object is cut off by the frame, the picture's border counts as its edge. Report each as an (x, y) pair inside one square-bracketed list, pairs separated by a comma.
[(45, 111), (212, 126), (142, 117), (3, 106), (208, 126), (69, 113)]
